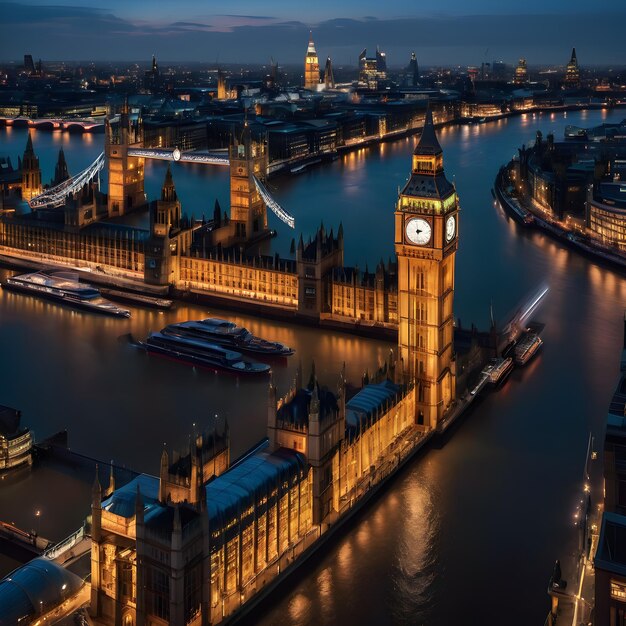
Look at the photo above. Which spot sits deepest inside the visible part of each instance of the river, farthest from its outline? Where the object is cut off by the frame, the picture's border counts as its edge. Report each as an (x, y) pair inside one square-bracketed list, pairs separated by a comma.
[(469, 531)]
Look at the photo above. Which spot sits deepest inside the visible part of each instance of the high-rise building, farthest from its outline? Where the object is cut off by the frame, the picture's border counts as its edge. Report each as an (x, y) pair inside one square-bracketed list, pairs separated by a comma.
[(412, 71), (311, 66), (126, 173), (31, 172), (329, 77), (151, 79), (521, 73), (572, 73), (29, 65), (372, 69), (426, 235)]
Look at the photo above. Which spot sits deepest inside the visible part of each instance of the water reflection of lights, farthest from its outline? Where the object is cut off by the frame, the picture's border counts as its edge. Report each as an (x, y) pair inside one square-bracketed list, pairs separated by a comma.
[(299, 608)]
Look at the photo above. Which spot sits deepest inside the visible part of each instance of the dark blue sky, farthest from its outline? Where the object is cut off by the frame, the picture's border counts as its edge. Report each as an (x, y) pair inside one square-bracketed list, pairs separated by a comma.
[(447, 31)]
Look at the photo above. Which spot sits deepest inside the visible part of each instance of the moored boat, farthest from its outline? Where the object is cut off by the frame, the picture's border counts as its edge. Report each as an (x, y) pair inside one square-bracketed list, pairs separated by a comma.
[(498, 370), (65, 288), (526, 348), (200, 353), (228, 334)]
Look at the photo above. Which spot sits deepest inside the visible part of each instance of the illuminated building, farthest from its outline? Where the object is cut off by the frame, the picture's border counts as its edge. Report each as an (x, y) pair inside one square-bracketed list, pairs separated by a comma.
[(426, 236), (372, 70), (521, 73), (15, 443), (31, 172), (196, 544), (329, 77), (311, 67), (572, 73), (606, 213), (412, 71), (248, 160), (126, 175)]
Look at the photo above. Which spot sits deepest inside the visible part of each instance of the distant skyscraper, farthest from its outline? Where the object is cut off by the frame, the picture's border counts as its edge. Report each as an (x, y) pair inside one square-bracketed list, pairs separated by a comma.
[(413, 71), (151, 80), (521, 73), (29, 65), (372, 69), (311, 66), (381, 61), (329, 77), (572, 72)]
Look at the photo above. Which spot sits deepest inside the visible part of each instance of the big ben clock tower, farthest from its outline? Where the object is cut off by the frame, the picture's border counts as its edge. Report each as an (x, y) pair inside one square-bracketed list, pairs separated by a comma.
[(426, 235)]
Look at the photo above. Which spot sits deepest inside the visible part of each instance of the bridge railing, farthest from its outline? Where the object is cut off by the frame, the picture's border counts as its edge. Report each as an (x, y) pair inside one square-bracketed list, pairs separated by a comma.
[(56, 196), (273, 205)]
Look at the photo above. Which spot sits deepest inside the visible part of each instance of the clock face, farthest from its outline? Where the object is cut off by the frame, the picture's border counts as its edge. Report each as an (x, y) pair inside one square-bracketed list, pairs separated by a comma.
[(418, 231), (176, 154), (450, 228)]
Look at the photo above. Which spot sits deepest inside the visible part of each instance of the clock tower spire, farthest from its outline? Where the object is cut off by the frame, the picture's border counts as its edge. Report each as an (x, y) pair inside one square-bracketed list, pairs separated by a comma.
[(426, 236)]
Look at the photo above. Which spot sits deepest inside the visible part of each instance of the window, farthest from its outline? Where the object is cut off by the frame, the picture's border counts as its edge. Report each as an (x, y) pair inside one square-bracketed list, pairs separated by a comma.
[(618, 590)]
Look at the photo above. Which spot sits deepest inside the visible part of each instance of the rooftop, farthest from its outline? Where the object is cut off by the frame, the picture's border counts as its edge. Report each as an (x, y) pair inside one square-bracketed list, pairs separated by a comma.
[(611, 553)]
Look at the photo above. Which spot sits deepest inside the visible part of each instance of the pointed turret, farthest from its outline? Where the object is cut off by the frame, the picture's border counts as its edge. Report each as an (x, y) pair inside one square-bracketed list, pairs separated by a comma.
[(428, 143), (28, 151), (96, 490), (61, 172), (111, 488), (168, 191), (573, 59)]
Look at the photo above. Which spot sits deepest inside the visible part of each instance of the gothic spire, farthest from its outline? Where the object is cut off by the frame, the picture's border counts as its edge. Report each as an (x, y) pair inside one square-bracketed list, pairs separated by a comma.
[(428, 143)]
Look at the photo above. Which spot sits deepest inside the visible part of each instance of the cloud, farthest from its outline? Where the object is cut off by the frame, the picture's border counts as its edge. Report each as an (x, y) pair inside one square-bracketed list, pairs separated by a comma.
[(86, 33)]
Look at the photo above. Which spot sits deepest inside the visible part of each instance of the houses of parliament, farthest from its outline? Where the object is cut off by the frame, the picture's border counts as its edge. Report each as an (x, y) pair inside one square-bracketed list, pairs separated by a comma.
[(205, 539), (219, 259)]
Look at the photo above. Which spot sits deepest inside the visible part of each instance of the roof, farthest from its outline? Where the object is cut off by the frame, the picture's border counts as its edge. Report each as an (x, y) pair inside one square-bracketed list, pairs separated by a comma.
[(428, 143), (426, 186), (611, 553), (368, 401), (255, 478), (296, 411), (41, 583), (122, 501)]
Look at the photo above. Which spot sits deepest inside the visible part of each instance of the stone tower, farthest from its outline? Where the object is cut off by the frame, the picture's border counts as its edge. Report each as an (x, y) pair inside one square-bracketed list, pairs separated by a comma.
[(126, 175), (311, 66), (426, 235), (31, 172), (248, 160)]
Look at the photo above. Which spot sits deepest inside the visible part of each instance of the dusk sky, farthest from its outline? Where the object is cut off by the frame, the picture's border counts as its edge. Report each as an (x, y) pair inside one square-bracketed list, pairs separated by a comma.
[(446, 32)]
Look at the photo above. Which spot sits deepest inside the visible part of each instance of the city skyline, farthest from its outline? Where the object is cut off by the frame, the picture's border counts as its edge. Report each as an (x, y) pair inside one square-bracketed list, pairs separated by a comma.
[(87, 30)]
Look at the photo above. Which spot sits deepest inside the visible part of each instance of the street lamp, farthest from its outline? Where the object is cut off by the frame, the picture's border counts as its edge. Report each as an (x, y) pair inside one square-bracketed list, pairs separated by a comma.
[(37, 516)]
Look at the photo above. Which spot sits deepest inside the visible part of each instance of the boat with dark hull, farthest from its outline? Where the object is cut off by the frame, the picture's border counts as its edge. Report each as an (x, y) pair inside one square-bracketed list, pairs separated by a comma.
[(228, 335), (64, 287), (200, 353)]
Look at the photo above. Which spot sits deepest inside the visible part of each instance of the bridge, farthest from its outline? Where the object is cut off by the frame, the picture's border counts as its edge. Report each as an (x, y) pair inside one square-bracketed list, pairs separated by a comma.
[(57, 196), (218, 157), (89, 124)]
